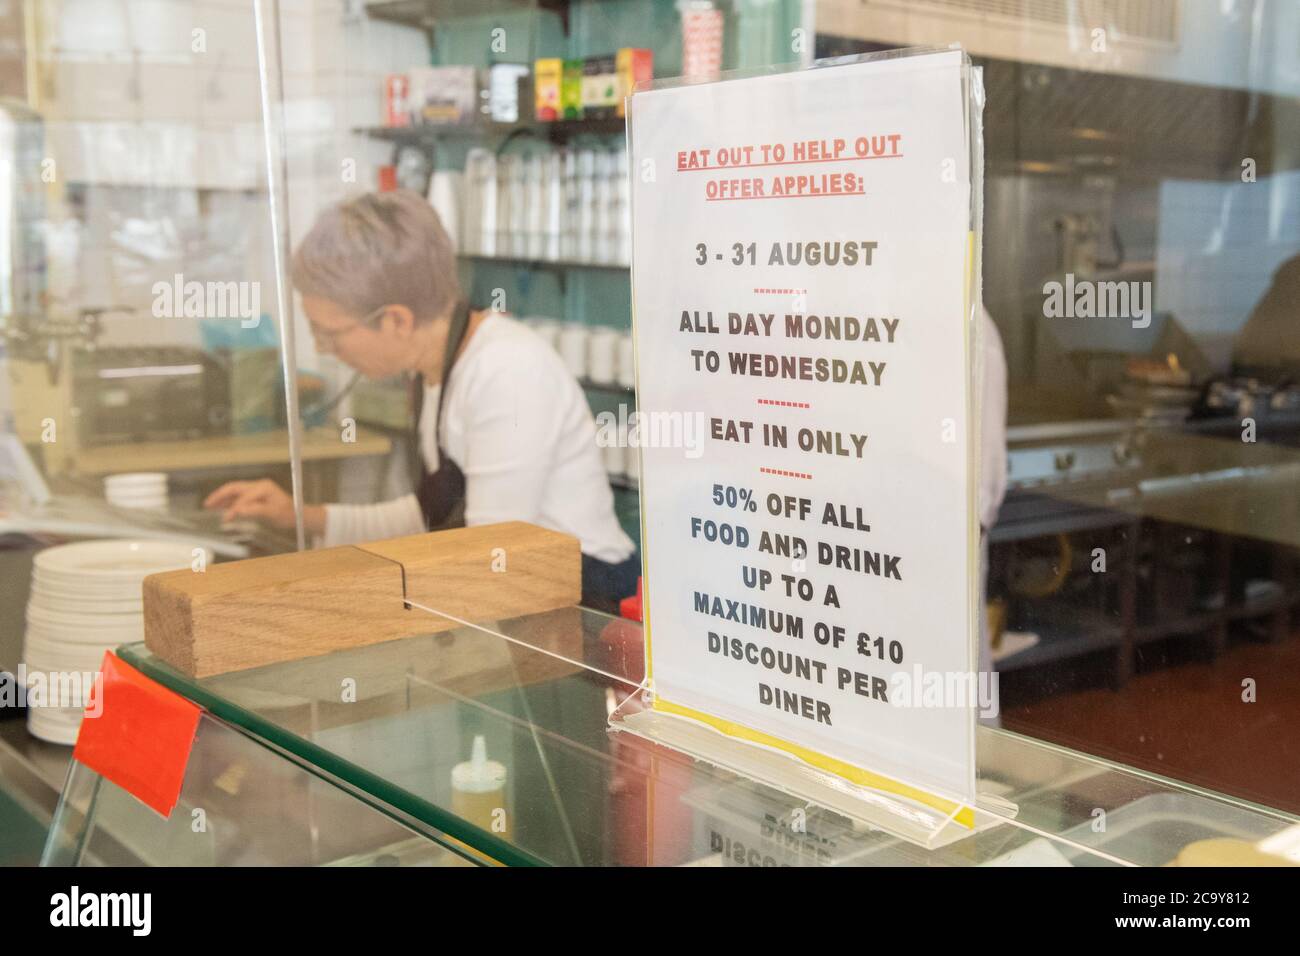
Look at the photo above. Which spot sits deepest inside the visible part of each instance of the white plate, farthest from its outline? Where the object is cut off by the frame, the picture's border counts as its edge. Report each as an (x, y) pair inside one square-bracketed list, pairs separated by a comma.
[(51, 732), (48, 665), (71, 599), (77, 705), (78, 636), (150, 497), (52, 654), (86, 605), (77, 650), (59, 619), (65, 716), (83, 637), (113, 560), (136, 479), (74, 587)]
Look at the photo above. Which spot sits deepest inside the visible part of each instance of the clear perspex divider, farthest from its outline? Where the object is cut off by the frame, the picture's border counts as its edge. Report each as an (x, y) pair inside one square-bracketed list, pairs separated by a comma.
[(1040, 804), (242, 804), (493, 744), (586, 648)]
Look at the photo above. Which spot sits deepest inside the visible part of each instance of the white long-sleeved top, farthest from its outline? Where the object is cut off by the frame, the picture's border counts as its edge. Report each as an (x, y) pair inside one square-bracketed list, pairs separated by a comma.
[(520, 429)]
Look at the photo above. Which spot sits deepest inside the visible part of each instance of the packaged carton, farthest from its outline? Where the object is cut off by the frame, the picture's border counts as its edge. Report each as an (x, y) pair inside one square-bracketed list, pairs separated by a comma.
[(547, 78), (633, 66), (571, 90), (599, 88)]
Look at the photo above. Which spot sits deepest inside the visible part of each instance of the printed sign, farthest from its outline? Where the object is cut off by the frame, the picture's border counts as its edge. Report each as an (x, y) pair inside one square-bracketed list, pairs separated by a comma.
[(802, 297)]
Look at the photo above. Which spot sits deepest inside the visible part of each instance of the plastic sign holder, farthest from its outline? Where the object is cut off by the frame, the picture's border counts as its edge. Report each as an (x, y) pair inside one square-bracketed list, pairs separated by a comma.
[(921, 817), (758, 214)]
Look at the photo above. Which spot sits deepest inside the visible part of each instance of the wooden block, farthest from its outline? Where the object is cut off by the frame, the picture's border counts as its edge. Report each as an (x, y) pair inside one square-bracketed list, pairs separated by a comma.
[(493, 571), (265, 610)]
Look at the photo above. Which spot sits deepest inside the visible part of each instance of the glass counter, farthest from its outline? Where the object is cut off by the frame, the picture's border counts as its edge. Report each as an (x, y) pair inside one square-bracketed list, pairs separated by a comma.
[(353, 758)]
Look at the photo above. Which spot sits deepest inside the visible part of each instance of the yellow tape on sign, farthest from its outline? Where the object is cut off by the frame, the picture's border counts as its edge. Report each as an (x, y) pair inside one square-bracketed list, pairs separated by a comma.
[(962, 815)]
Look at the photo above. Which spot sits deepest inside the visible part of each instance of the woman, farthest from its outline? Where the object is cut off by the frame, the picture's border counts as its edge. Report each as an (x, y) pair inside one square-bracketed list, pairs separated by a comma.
[(504, 432)]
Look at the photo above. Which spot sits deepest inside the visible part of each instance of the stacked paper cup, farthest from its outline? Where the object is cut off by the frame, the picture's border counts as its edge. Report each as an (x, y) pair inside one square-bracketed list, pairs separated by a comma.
[(702, 25), (626, 361), (85, 599), (143, 489), (572, 346), (602, 356)]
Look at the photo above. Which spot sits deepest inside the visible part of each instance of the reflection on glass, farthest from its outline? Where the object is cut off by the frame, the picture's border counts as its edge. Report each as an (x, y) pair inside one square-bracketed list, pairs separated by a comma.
[(1140, 255), (1141, 267)]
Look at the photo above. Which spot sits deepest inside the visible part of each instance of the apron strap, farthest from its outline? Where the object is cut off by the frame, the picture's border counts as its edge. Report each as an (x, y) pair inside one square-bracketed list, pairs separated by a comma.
[(434, 490)]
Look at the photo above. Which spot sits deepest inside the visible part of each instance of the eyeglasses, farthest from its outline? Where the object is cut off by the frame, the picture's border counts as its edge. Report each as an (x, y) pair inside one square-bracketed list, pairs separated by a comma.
[(325, 338)]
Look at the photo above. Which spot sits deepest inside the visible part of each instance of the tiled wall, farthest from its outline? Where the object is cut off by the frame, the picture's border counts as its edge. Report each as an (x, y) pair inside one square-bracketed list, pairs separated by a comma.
[(153, 116)]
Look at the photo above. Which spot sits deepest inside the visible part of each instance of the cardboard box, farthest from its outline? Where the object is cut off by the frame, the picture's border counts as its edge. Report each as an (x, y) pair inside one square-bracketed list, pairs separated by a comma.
[(571, 90), (443, 94), (633, 66), (600, 86), (547, 77)]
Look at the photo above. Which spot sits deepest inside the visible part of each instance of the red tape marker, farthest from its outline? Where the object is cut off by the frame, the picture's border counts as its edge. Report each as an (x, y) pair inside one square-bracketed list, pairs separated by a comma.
[(142, 738)]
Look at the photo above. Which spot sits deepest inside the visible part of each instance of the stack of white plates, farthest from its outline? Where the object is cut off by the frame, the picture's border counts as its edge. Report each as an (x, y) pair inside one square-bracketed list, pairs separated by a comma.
[(141, 489), (85, 599)]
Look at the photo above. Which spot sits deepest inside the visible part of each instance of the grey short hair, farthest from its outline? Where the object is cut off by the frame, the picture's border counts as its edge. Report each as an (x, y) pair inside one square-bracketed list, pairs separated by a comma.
[(380, 249)]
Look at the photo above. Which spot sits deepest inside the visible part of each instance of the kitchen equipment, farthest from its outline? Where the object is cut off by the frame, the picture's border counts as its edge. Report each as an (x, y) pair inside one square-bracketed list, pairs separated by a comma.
[(1249, 397), (149, 393)]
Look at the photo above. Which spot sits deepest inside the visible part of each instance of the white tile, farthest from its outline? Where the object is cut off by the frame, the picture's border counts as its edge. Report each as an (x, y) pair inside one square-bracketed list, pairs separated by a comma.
[(229, 95), (162, 28), (91, 91), (168, 92)]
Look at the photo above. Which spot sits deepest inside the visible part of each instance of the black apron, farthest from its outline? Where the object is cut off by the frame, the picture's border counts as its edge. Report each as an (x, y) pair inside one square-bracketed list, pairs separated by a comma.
[(441, 493)]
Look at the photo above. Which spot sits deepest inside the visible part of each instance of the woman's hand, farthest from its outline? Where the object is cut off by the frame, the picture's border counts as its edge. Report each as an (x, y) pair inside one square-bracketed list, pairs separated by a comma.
[(266, 500)]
